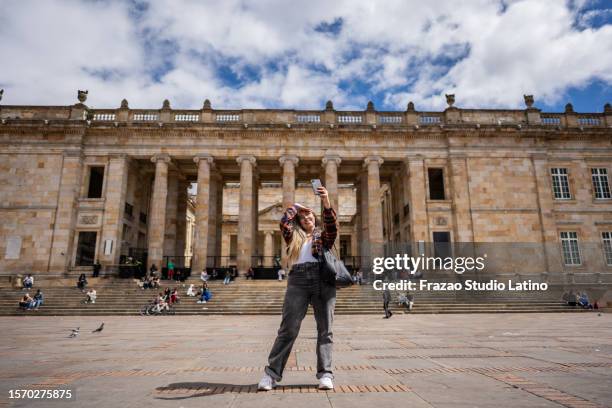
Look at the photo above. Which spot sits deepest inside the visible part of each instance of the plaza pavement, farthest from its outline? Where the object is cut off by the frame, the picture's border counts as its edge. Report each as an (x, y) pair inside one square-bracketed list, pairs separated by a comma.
[(480, 360)]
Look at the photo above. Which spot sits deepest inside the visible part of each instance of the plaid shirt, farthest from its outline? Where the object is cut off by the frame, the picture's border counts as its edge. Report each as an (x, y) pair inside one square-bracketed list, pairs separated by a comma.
[(324, 238)]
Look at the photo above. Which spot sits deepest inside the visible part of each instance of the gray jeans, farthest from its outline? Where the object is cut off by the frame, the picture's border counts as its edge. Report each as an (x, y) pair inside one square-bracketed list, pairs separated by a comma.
[(304, 287)]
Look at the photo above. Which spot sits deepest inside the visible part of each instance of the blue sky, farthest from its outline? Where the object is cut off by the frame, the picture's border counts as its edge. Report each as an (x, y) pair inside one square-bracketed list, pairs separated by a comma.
[(279, 54)]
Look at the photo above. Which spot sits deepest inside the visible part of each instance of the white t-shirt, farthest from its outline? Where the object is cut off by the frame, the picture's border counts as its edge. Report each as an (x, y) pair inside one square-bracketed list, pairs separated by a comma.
[(306, 253)]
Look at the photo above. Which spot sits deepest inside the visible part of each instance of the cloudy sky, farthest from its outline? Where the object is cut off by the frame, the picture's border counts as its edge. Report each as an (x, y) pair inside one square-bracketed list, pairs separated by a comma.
[(294, 54)]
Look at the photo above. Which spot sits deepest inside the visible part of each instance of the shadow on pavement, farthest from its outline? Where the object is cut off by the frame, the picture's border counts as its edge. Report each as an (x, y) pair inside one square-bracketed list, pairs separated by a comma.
[(184, 390)]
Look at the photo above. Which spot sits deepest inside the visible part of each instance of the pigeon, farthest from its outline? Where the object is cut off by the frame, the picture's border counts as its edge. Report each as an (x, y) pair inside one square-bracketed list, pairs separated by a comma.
[(99, 329), (75, 332)]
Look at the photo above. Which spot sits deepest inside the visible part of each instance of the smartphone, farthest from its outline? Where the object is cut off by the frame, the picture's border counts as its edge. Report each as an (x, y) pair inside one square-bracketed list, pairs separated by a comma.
[(316, 183)]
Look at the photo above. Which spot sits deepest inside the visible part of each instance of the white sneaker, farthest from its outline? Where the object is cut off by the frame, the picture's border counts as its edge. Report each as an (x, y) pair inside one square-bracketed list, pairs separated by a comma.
[(326, 383), (266, 383)]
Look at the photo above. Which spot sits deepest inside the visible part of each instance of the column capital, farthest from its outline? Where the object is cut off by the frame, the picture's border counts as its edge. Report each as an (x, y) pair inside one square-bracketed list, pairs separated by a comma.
[(331, 158), (161, 157), (288, 158), (118, 156), (250, 159), (413, 158), (268, 232), (373, 160), (457, 155), (78, 153), (203, 158)]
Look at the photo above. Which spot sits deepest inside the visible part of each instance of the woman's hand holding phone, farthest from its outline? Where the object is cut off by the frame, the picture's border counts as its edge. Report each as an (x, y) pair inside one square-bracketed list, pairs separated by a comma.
[(322, 192)]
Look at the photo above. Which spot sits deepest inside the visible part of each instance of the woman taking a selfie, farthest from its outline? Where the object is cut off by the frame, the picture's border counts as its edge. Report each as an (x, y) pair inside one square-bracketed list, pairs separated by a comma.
[(305, 243)]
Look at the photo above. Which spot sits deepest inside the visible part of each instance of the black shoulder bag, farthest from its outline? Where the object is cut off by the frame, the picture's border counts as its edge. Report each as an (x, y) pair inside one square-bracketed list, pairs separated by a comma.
[(333, 271)]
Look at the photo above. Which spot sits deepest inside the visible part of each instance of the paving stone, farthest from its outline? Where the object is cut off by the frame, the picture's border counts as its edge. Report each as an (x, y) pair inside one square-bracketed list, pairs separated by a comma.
[(187, 361)]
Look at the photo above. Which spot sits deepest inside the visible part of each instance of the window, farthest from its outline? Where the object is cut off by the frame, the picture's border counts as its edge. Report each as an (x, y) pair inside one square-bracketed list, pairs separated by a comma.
[(129, 210), (345, 242), (441, 244), (569, 245), (96, 180), (600, 183), (406, 210), (560, 183), (86, 248), (606, 238), (436, 184)]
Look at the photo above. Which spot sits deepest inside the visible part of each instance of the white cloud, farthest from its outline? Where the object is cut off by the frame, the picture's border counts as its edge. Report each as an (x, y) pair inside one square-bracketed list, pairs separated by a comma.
[(486, 52)]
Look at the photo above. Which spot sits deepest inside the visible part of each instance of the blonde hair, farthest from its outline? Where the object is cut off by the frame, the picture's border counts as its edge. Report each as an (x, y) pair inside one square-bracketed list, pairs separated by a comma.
[(295, 246)]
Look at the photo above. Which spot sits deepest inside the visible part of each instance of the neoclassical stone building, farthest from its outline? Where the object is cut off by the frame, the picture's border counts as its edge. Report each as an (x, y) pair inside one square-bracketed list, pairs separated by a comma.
[(208, 186)]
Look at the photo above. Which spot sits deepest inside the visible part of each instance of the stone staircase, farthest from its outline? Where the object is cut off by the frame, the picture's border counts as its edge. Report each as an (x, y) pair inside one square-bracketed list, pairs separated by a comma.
[(123, 297)]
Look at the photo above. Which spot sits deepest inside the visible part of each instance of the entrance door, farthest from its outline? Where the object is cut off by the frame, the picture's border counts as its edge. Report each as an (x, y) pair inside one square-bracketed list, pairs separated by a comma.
[(86, 248), (442, 247)]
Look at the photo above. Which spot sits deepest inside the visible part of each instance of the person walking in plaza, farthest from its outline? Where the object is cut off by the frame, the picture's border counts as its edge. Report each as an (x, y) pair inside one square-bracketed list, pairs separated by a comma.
[(386, 300), (306, 241)]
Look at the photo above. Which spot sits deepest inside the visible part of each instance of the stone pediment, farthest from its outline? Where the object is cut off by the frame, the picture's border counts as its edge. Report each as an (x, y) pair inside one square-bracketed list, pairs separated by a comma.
[(273, 212)]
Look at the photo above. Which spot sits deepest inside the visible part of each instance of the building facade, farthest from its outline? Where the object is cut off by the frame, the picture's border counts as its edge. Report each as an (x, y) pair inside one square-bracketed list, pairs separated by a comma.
[(208, 186)]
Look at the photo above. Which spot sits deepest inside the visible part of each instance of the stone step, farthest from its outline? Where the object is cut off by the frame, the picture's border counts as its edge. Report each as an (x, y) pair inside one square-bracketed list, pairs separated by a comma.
[(123, 297)]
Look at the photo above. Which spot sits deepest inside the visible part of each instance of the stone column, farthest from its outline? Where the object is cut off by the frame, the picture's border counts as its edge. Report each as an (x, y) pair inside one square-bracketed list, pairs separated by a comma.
[(464, 231), (419, 224), (363, 226), (65, 213), (245, 216), (219, 207), (548, 228), (114, 208), (375, 221), (268, 249), (331, 163), (214, 221), (288, 163), (202, 214), (181, 220), (171, 215), (157, 216)]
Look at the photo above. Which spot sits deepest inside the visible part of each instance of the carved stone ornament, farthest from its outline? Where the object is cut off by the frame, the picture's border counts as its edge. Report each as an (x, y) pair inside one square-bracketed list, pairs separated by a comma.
[(441, 221), (450, 99), (82, 96), (88, 219), (528, 100)]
